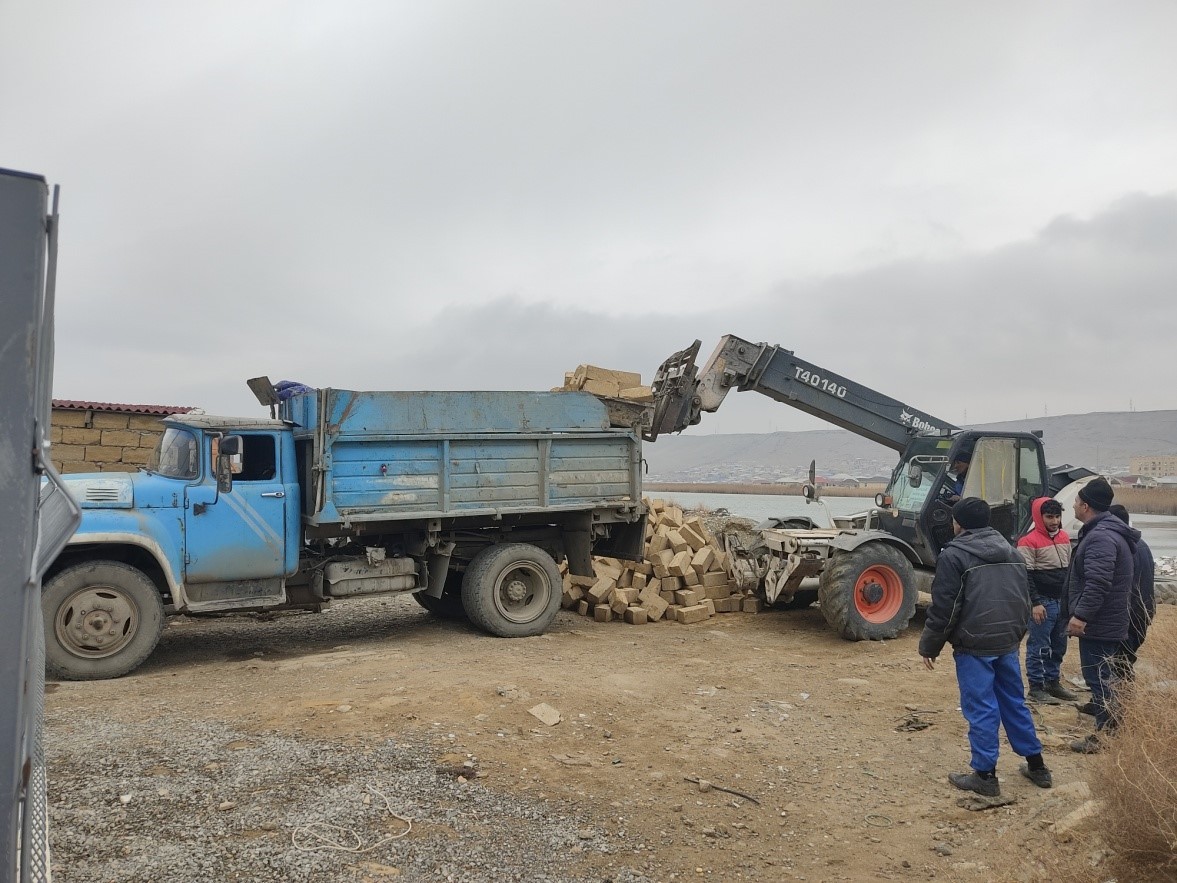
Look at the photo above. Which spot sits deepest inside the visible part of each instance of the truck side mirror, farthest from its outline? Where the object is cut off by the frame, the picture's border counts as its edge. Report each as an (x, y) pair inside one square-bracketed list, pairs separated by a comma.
[(228, 462), (915, 474)]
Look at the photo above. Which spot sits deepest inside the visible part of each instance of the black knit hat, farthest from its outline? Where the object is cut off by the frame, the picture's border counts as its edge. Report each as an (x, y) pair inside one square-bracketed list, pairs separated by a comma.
[(1097, 494), (971, 513)]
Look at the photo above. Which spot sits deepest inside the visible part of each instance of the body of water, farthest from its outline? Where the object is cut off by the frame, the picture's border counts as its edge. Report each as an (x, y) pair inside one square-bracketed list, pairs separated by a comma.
[(1159, 531)]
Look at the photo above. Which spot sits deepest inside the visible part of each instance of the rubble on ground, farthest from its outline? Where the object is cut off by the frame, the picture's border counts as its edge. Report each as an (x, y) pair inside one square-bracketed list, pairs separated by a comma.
[(685, 576)]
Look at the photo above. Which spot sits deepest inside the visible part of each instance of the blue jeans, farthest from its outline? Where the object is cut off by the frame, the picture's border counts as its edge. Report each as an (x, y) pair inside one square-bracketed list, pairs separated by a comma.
[(991, 695), (1098, 659), (1046, 646)]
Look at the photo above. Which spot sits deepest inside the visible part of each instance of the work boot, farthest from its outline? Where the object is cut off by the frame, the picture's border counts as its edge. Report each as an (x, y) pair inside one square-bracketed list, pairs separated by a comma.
[(1087, 708), (1041, 696), (972, 781), (1058, 691), (1087, 745), (1040, 777)]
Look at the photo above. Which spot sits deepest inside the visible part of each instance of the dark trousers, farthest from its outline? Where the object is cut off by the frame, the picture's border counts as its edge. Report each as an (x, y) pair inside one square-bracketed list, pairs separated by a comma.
[(991, 695), (1046, 646), (1099, 660)]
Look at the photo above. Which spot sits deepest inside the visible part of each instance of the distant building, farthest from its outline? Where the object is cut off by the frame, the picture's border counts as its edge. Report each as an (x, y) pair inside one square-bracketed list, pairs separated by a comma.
[(105, 437), (1154, 465), (1132, 481)]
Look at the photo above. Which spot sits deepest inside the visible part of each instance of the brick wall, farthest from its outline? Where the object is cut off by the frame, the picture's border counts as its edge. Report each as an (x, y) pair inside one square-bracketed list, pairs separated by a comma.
[(102, 441)]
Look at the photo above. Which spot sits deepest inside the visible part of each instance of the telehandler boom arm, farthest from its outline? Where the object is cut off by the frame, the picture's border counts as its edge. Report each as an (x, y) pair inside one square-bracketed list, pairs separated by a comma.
[(682, 393)]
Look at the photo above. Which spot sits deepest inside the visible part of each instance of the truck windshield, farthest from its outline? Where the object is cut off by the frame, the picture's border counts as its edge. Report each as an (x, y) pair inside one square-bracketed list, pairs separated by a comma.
[(177, 455)]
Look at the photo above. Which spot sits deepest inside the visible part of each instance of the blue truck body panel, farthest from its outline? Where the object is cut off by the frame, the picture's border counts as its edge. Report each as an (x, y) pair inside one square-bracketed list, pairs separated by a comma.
[(394, 455)]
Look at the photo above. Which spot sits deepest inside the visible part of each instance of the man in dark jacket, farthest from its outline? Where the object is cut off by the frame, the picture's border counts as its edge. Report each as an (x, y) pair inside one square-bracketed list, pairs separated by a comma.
[(1143, 606), (1098, 592), (981, 604)]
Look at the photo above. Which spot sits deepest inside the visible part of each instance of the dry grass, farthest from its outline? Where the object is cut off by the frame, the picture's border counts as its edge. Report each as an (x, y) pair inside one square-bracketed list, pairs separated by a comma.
[(1137, 776), (1148, 501)]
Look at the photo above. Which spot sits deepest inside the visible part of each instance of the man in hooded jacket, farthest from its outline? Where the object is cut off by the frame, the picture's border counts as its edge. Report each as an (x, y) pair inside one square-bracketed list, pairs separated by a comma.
[(981, 605), (1099, 589), (1046, 550)]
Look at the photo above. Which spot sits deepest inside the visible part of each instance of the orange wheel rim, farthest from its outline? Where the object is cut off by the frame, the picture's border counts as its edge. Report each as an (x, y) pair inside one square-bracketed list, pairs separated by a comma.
[(878, 594)]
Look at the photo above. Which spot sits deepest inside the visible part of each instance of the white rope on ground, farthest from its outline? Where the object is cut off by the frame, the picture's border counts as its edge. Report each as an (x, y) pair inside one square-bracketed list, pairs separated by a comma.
[(310, 832)]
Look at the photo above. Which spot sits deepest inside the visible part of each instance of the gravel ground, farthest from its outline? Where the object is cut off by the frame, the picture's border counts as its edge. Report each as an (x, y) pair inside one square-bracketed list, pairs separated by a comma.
[(200, 800)]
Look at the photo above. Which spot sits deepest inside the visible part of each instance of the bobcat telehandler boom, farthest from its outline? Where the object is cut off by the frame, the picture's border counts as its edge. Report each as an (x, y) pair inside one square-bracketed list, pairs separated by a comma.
[(870, 570)]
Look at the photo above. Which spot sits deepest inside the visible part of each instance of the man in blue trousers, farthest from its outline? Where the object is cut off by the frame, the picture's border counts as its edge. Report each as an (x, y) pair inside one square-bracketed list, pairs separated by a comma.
[(980, 605)]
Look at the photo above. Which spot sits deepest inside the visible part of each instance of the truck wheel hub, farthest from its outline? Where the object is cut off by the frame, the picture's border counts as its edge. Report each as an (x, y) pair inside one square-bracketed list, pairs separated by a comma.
[(516, 591), (95, 622), (872, 593)]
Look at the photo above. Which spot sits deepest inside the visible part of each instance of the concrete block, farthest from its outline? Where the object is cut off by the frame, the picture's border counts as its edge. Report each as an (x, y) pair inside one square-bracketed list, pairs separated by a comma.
[(109, 420), (70, 453), (675, 540), (122, 438), (703, 558), (61, 417), (583, 607), (716, 592), (671, 584), (601, 388), (601, 589), (143, 421), (602, 613), (660, 571), (680, 564), (715, 578), (687, 615), (637, 393), (691, 577), (136, 456), (618, 603), (686, 598), (668, 597), (72, 435), (693, 537), (657, 543), (609, 567), (635, 615), (672, 515), (630, 594), (710, 605), (751, 604), (584, 373), (639, 581), (585, 582), (655, 606)]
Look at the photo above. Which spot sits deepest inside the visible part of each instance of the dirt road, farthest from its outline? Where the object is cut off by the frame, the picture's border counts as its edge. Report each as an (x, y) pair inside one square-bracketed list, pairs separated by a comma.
[(239, 733)]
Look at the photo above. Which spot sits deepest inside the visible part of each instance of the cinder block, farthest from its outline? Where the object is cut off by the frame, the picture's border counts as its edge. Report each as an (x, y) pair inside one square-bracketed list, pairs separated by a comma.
[(62, 417), (676, 542), (630, 594), (643, 567), (595, 372), (55, 433), (143, 421), (70, 466), (568, 600), (70, 453), (122, 438), (691, 577), (72, 435), (710, 605), (136, 456), (672, 515), (658, 542), (103, 454), (671, 584), (601, 388), (668, 597), (693, 537), (626, 579), (609, 567), (109, 420), (660, 571), (751, 604), (703, 558), (654, 605), (714, 578), (618, 603), (656, 505), (687, 615), (602, 613), (114, 467), (716, 592), (585, 582), (686, 598), (666, 556), (637, 393), (635, 615), (601, 589), (727, 604), (583, 608), (720, 561), (680, 564)]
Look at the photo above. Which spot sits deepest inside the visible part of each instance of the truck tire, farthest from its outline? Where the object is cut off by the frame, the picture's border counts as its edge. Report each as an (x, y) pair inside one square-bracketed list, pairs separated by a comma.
[(449, 605), (102, 619), (512, 590), (868, 594)]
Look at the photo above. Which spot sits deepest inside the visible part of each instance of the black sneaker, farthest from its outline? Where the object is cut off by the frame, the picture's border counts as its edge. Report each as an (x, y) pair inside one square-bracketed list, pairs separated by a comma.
[(973, 782), (1088, 708), (1087, 745), (1058, 691), (1040, 777), (1041, 696)]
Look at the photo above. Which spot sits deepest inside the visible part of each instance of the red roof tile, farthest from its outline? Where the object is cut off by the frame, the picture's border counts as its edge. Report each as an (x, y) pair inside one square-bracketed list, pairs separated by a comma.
[(155, 410)]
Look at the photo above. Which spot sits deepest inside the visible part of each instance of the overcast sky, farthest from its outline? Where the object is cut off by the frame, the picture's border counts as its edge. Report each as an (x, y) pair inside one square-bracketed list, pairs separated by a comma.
[(971, 207)]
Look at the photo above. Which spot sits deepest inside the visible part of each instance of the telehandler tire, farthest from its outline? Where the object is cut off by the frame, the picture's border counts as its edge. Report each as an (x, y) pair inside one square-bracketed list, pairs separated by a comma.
[(449, 605), (102, 619), (868, 594), (512, 590)]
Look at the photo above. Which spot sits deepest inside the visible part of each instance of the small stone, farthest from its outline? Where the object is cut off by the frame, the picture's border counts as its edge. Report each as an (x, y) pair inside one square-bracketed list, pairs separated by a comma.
[(226, 805), (462, 780), (545, 714), (704, 786), (942, 849), (124, 799), (586, 833), (343, 708)]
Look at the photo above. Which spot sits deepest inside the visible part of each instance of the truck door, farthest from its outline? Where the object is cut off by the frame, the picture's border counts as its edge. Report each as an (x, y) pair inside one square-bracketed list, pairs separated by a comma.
[(241, 534)]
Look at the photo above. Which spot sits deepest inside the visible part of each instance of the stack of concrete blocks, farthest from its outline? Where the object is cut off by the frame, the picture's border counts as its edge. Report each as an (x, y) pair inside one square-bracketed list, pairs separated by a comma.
[(683, 577), (102, 441), (608, 383)]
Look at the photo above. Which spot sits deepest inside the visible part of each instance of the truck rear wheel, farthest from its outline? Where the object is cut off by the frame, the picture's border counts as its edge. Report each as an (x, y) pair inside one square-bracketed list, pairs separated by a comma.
[(102, 619), (449, 605), (868, 594), (512, 590)]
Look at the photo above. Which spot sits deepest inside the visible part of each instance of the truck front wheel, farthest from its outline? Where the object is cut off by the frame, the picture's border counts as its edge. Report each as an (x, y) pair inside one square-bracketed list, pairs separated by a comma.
[(512, 590), (102, 619), (868, 594)]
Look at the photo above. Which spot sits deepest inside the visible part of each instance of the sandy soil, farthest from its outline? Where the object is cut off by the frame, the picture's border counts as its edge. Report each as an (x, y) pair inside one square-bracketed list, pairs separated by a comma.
[(822, 733)]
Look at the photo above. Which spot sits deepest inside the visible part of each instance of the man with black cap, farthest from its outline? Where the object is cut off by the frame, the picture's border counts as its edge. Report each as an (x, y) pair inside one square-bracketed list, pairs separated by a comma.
[(1098, 591), (981, 605)]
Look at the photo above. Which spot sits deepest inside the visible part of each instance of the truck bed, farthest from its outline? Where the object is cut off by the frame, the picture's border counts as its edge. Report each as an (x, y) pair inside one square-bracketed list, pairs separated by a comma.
[(388, 456)]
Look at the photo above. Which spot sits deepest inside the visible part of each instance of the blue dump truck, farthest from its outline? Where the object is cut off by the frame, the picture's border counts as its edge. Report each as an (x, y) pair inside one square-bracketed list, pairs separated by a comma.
[(468, 500)]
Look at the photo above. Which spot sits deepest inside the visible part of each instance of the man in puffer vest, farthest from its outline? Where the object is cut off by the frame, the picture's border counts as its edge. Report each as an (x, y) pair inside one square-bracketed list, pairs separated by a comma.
[(1046, 549), (981, 604)]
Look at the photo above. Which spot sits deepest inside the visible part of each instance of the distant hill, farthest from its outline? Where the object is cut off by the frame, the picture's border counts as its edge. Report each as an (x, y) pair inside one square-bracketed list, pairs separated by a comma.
[(1102, 440)]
